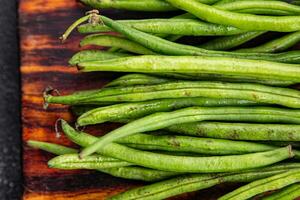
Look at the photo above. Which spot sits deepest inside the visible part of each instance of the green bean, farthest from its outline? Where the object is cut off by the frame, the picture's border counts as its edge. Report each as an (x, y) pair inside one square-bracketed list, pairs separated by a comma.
[(251, 92), (225, 78), (163, 46), (288, 193), (265, 11), (52, 148), (194, 145), (165, 119), (93, 55), (115, 41), (229, 42), (272, 183), (72, 161), (239, 131), (136, 110), (243, 21), (253, 5), (276, 45), (140, 173), (294, 144), (138, 79), (140, 5), (128, 172), (198, 65), (194, 182), (193, 27)]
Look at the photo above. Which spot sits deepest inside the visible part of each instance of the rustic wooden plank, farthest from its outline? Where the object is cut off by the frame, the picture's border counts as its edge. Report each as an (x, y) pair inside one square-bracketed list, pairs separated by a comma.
[(44, 62)]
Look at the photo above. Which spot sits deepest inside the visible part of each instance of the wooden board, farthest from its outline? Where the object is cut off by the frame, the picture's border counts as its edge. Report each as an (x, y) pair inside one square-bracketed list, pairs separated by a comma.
[(44, 63)]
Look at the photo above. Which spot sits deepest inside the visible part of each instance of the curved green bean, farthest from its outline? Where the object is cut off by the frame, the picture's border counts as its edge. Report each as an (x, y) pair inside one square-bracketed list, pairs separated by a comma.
[(181, 144), (276, 45), (239, 131), (163, 46), (193, 27), (191, 164), (136, 110), (165, 119), (128, 172), (251, 92), (93, 55), (198, 65), (229, 42), (115, 41), (288, 193), (257, 187), (194, 182), (243, 21)]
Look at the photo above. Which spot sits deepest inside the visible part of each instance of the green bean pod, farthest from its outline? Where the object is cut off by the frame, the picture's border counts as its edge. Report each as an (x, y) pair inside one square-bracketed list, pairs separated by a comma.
[(265, 11), (138, 79), (198, 65), (276, 45), (260, 186), (128, 172), (51, 148), (163, 46), (131, 111), (140, 5), (243, 21), (192, 27), (225, 78), (72, 161), (288, 193), (93, 55), (229, 42), (165, 119), (143, 79), (194, 182), (115, 41), (239, 131), (194, 145), (254, 5), (183, 89)]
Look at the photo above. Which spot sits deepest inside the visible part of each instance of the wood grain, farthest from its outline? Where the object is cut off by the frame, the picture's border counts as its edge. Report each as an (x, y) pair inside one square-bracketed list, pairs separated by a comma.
[(44, 62)]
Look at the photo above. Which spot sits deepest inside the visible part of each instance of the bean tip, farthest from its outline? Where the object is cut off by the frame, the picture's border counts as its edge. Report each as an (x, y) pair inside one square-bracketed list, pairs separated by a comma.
[(79, 67), (57, 132), (63, 38), (47, 94)]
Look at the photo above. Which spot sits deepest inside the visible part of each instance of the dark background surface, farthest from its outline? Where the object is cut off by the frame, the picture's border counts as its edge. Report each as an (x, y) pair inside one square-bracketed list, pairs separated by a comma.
[(10, 126)]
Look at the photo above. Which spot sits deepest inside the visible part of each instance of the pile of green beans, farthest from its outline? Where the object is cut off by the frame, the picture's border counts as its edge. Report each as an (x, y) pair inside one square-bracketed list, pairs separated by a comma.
[(191, 114)]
